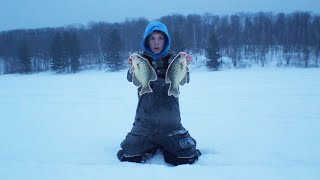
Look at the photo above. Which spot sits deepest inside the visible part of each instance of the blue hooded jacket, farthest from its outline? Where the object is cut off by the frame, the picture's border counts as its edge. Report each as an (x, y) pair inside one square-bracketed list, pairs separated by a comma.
[(151, 27)]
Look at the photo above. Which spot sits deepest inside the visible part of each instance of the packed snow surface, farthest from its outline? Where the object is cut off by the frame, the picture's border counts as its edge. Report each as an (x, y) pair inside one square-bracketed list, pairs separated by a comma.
[(249, 124)]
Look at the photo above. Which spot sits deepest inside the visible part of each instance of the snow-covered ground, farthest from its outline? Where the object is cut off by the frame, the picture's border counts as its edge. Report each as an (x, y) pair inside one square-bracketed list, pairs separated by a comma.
[(249, 124)]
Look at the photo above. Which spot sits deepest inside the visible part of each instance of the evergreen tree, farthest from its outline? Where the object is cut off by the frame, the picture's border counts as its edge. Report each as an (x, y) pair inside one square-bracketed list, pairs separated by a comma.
[(24, 64), (56, 53), (112, 49), (235, 44), (212, 53), (74, 53), (258, 36), (66, 51), (317, 53)]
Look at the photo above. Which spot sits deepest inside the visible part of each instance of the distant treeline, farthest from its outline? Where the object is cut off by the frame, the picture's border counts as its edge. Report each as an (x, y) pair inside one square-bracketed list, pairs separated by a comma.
[(293, 38)]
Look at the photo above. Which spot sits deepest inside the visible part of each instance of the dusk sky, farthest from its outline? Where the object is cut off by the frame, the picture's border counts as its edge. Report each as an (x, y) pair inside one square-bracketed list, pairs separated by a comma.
[(17, 14)]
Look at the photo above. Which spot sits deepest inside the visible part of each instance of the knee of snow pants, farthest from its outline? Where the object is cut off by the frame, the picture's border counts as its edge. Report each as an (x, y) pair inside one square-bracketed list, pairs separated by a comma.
[(180, 144), (174, 160), (135, 145)]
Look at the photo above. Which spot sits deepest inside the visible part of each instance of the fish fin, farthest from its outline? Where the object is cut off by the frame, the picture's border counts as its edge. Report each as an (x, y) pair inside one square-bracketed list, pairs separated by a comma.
[(167, 79), (173, 90), (146, 89), (184, 80), (154, 76), (176, 57), (171, 59), (135, 81), (131, 69), (182, 53), (135, 55)]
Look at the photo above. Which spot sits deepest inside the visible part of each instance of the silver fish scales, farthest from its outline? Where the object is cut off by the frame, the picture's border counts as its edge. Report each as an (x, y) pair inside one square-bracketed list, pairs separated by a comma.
[(142, 73), (177, 74)]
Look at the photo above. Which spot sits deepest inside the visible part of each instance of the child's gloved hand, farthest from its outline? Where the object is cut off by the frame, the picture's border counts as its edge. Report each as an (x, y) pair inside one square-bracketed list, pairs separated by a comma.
[(189, 59), (187, 56), (129, 60)]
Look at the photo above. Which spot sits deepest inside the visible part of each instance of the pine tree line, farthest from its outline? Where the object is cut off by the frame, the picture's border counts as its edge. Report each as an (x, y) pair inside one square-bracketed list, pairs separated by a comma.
[(65, 52), (241, 37)]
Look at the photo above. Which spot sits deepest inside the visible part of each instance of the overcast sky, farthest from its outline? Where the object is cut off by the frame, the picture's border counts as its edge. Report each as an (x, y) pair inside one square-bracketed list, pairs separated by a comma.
[(16, 14)]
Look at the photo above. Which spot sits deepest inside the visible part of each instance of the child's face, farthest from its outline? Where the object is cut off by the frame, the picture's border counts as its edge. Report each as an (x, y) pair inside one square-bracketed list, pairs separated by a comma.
[(156, 42)]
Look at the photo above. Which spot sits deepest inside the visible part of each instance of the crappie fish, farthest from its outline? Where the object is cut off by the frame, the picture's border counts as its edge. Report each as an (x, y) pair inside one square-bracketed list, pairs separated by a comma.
[(177, 74), (142, 73)]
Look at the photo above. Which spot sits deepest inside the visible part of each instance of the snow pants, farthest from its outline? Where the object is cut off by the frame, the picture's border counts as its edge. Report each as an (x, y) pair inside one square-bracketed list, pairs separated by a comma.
[(178, 148)]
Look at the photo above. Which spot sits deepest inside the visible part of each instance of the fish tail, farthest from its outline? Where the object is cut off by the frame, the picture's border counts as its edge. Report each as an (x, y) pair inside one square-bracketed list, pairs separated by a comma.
[(146, 89), (173, 90)]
